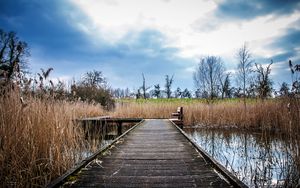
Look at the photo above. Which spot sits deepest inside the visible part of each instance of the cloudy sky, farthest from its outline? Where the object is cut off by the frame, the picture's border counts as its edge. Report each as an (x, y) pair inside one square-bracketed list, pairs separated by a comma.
[(125, 38)]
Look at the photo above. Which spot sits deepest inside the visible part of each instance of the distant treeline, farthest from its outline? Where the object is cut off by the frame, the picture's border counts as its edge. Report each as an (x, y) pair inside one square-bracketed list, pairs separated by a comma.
[(212, 81)]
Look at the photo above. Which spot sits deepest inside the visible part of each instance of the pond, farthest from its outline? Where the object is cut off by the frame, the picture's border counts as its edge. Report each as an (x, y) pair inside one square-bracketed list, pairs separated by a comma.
[(257, 159)]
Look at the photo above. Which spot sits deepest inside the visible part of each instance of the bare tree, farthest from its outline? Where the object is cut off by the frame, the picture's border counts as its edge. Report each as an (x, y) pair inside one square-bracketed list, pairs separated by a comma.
[(92, 88), (245, 67), (168, 85), (178, 93), (284, 89), (186, 93), (94, 79), (263, 81), (138, 94), (207, 75), (127, 93), (295, 70), (13, 53), (144, 87), (225, 86), (156, 92)]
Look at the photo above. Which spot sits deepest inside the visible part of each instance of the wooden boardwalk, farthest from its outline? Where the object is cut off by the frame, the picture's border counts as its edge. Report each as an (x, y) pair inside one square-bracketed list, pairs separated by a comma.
[(155, 154)]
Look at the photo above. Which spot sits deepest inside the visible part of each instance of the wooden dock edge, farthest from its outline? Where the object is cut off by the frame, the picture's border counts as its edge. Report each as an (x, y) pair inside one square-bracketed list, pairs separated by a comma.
[(215, 164), (62, 179)]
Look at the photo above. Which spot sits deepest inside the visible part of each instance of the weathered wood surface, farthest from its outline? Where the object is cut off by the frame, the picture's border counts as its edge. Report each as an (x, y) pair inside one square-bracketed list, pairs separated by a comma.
[(155, 154), (108, 119)]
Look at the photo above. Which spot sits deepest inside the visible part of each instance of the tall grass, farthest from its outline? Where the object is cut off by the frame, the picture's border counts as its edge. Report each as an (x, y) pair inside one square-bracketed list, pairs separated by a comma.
[(38, 140), (274, 114)]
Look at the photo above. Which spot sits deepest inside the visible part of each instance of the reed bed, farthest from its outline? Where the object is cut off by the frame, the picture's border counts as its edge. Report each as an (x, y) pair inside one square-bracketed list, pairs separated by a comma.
[(274, 114), (38, 139)]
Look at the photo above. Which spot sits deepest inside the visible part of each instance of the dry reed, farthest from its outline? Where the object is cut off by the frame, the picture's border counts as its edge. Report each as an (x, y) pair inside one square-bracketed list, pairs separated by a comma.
[(38, 140), (275, 114)]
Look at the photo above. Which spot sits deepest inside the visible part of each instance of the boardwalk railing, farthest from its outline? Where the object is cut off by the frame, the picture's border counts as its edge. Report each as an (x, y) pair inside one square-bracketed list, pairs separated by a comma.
[(102, 125), (177, 117)]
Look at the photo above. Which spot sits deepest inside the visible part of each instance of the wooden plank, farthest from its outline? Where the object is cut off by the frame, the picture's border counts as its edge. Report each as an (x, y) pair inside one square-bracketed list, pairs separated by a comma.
[(155, 154), (95, 118), (109, 119)]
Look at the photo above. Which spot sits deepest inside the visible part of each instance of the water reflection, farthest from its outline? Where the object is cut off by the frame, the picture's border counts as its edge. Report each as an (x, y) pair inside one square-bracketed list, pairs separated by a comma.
[(98, 136), (256, 159)]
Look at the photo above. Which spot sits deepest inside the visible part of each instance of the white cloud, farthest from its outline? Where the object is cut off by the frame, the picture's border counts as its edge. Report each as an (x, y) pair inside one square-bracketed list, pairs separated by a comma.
[(230, 36), (172, 18), (177, 20)]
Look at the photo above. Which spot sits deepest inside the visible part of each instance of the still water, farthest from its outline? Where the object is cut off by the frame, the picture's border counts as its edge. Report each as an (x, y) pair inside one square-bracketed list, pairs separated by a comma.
[(256, 159), (97, 139)]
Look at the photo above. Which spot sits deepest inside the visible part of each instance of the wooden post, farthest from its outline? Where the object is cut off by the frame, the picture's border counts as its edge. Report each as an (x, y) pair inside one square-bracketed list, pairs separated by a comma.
[(179, 117), (181, 114), (119, 128), (85, 128)]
